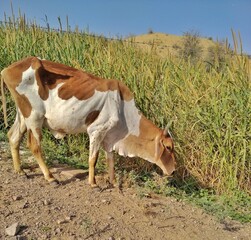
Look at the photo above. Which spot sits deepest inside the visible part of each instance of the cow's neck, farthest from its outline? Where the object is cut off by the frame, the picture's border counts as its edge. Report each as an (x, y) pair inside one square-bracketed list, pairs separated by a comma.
[(141, 145)]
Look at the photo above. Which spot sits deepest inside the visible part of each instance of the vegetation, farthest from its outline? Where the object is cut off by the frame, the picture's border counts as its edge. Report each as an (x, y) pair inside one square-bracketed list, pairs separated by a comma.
[(210, 108), (218, 55), (191, 48)]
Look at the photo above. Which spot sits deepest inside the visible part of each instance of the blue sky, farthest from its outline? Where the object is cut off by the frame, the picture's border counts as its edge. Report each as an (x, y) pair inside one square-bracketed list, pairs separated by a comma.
[(210, 18)]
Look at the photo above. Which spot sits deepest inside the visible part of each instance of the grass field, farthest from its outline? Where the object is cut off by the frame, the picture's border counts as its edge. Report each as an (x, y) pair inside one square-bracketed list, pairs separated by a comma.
[(210, 108)]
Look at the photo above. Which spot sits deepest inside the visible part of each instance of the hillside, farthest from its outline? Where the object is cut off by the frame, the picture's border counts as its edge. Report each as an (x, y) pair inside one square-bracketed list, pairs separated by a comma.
[(166, 44)]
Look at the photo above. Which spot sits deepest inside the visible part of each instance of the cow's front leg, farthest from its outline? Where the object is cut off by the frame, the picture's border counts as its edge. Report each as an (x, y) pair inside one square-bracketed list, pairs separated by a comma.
[(97, 132), (92, 163), (110, 163)]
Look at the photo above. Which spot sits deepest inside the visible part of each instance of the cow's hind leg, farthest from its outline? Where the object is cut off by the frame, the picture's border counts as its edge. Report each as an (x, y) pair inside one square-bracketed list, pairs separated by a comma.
[(33, 142), (15, 136)]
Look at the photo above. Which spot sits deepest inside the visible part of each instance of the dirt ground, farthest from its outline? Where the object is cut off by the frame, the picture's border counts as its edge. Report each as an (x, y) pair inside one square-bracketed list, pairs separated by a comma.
[(73, 210)]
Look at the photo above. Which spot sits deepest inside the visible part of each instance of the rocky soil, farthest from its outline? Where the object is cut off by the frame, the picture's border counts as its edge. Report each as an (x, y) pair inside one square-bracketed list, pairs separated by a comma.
[(30, 208)]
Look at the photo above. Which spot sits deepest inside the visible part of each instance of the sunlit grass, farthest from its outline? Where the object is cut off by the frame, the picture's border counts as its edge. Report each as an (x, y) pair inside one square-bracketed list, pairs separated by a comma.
[(210, 109)]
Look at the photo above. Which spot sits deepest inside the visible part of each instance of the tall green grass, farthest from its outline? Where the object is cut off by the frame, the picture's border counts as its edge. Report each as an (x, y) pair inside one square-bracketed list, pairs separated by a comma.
[(211, 109)]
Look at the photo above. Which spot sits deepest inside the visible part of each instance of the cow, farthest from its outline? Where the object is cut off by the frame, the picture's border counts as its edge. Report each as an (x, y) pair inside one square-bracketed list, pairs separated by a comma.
[(69, 101)]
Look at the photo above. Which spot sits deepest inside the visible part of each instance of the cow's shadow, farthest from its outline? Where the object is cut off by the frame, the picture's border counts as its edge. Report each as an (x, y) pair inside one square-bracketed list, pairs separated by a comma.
[(63, 174)]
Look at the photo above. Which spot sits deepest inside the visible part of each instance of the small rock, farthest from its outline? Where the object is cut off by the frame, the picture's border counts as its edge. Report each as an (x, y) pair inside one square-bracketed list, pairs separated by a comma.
[(68, 218), (105, 201), (111, 238), (13, 229), (15, 198), (58, 230), (25, 205), (46, 202), (61, 221), (110, 217)]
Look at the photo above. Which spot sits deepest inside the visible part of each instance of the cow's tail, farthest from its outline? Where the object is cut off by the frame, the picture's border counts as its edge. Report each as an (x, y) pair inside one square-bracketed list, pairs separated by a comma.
[(3, 101)]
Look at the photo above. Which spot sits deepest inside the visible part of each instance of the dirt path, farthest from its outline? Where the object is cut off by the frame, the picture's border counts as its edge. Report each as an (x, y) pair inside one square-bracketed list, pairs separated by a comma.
[(73, 210)]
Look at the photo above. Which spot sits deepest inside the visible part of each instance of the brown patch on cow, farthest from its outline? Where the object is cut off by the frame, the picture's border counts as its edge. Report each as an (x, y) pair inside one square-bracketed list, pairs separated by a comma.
[(125, 92), (12, 77), (92, 116), (60, 130), (38, 130), (77, 83), (43, 91), (24, 105), (32, 143)]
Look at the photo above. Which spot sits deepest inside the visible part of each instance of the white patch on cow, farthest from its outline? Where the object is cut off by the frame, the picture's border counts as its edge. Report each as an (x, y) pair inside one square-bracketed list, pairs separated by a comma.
[(29, 88), (70, 115), (132, 117)]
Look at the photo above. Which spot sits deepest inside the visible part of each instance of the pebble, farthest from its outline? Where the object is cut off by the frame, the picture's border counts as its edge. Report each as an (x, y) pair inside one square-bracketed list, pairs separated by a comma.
[(61, 221), (25, 205), (16, 198), (58, 230), (46, 202), (105, 201), (110, 217), (13, 229)]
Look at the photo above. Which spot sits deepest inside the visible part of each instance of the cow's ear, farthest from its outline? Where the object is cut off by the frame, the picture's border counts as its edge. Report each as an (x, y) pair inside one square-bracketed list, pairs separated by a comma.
[(159, 148)]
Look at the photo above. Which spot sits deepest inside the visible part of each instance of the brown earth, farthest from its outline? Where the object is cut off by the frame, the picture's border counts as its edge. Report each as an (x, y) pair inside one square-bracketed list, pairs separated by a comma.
[(73, 210)]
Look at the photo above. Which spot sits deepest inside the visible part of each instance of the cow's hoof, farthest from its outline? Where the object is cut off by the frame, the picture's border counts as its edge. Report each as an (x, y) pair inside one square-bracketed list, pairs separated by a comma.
[(54, 182), (22, 174), (94, 185)]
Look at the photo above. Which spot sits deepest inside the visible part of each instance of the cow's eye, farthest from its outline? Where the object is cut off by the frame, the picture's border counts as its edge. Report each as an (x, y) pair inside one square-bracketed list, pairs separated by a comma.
[(169, 148)]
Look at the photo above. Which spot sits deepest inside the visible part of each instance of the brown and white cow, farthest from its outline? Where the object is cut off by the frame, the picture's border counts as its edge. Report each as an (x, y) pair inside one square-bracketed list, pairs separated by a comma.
[(70, 101)]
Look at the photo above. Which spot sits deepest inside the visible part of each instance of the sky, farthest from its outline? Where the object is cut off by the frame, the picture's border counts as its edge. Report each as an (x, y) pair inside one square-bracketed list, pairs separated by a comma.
[(123, 18)]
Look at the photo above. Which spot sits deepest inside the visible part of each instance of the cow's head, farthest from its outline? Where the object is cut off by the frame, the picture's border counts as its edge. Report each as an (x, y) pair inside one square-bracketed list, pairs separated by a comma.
[(164, 152)]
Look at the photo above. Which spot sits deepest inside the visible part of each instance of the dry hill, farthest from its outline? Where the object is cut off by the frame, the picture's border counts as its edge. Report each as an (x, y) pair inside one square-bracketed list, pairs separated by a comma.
[(166, 44)]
